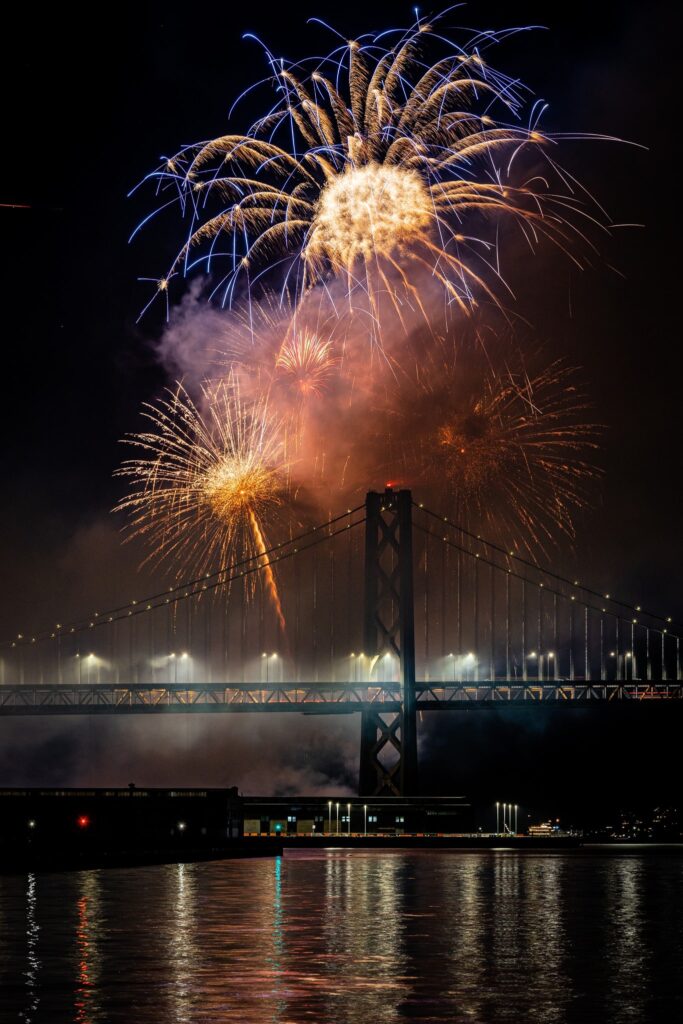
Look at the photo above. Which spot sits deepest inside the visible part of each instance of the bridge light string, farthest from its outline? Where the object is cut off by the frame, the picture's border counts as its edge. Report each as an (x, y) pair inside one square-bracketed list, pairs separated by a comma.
[(599, 595), (193, 588), (524, 579)]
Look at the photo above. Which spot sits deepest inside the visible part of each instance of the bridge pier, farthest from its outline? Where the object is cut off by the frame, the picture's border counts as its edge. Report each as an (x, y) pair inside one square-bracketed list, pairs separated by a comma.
[(388, 745)]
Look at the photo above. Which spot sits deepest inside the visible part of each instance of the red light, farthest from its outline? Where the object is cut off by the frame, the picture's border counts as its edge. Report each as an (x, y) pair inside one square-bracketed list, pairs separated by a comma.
[(83, 821)]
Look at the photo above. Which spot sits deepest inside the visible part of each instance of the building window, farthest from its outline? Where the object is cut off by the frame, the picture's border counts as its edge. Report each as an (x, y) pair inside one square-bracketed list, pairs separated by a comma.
[(373, 818), (400, 821), (291, 817)]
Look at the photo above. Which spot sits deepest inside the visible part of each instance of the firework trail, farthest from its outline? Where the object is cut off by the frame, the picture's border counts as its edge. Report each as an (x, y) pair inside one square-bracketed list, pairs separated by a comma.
[(394, 166), (271, 583)]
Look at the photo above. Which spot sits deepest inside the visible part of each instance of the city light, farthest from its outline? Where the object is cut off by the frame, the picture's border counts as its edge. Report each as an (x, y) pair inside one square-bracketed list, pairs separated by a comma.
[(83, 821)]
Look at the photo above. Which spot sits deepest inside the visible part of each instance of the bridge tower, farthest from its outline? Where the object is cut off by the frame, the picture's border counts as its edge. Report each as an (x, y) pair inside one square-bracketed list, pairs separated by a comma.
[(388, 745)]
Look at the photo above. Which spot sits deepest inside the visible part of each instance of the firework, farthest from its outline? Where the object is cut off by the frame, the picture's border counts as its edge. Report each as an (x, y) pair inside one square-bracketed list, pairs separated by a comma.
[(381, 174), (516, 452), (394, 163), (305, 363), (206, 482), (274, 344)]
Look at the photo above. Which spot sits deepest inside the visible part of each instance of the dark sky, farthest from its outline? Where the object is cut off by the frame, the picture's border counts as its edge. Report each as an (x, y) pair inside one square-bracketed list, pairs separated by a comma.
[(88, 109)]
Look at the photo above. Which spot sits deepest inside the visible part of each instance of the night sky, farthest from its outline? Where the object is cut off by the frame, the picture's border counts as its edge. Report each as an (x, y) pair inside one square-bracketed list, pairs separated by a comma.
[(89, 107)]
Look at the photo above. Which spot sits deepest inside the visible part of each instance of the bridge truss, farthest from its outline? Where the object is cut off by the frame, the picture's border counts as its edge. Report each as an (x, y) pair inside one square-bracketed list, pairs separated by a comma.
[(318, 698)]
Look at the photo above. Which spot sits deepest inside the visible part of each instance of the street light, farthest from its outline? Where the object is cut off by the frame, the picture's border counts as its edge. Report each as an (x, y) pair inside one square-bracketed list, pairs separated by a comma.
[(348, 810), (329, 816), (337, 832), (365, 811), (497, 818), (516, 809)]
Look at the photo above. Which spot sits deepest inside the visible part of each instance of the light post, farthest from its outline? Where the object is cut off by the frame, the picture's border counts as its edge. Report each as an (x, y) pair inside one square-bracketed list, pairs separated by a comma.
[(497, 818), (348, 811), (365, 811), (329, 817), (337, 831), (175, 666), (516, 810), (451, 656)]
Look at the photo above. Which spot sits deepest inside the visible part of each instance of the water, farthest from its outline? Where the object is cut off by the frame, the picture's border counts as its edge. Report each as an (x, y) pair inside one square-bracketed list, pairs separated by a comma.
[(358, 937)]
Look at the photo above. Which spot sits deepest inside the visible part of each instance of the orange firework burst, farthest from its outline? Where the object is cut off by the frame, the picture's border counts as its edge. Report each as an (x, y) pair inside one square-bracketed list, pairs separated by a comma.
[(305, 362), (517, 453)]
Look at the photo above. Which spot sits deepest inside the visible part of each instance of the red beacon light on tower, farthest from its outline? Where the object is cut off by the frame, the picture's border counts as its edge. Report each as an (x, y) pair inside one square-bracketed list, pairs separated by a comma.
[(83, 821)]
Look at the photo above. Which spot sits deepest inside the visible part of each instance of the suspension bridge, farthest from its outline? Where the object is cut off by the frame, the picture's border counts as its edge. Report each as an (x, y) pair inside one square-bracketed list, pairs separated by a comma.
[(391, 610)]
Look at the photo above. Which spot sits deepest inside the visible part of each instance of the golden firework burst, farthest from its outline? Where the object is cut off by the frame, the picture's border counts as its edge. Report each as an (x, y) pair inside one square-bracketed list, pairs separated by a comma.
[(206, 481)]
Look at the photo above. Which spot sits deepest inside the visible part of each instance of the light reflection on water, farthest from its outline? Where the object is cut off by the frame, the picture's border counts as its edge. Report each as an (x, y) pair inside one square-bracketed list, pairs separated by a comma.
[(357, 937)]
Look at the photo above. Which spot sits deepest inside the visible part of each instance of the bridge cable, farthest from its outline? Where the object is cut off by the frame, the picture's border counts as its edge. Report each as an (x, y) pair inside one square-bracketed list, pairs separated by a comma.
[(533, 583), (545, 571), (192, 587)]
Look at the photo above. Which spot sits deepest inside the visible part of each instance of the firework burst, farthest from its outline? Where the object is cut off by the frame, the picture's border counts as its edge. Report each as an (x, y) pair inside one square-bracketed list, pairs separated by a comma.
[(306, 363), (393, 165), (517, 453), (206, 482)]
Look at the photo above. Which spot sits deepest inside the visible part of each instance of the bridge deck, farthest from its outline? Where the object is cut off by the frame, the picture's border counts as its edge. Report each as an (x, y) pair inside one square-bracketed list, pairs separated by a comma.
[(318, 698)]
